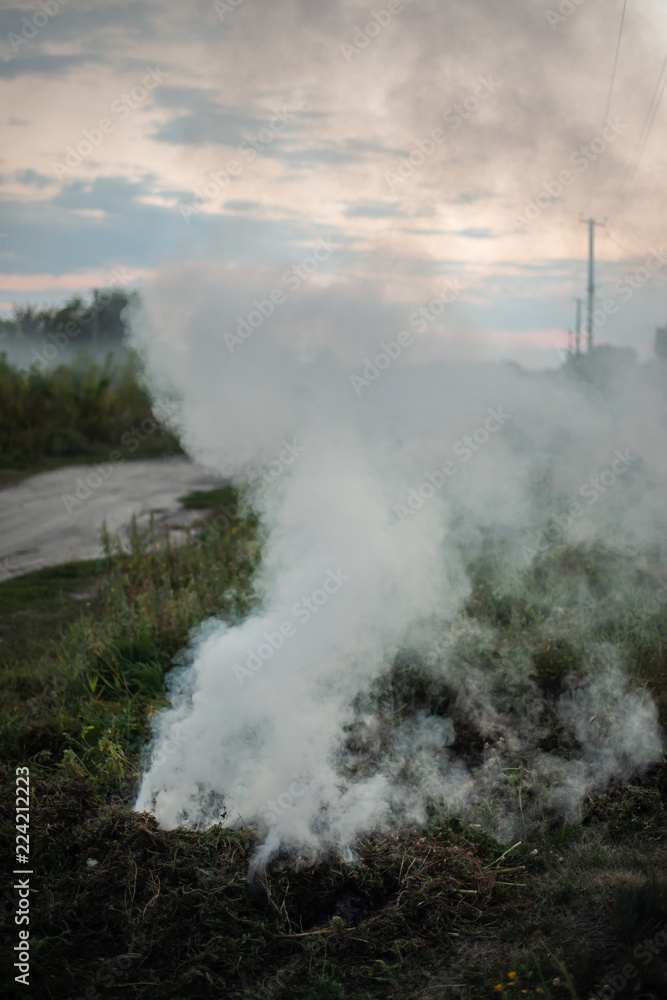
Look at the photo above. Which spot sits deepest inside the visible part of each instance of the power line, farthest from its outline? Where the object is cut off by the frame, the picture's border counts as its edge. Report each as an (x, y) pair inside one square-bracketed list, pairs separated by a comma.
[(609, 95), (646, 129), (613, 72), (637, 155), (642, 142), (625, 249)]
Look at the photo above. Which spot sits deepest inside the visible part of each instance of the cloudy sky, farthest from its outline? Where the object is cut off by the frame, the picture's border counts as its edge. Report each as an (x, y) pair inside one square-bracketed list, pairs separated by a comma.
[(429, 141)]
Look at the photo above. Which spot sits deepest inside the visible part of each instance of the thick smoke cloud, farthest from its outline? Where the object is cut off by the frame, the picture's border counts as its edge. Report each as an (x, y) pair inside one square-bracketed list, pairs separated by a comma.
[(391, 488)]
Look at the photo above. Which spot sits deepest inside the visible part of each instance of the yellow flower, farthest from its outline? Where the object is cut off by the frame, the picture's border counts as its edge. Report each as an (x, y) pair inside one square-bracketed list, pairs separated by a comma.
[(511, 975), (498, 987)]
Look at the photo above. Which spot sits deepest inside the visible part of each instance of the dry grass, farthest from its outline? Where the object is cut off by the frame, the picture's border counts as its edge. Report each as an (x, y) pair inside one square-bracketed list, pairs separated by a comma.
[(124, 909)]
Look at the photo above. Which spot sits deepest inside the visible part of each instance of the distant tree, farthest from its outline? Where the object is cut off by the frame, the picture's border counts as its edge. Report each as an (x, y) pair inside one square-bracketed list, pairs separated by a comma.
[(28, 319), (8, 332), (660, 346), (99, 322), (73, 318), (107, 307)]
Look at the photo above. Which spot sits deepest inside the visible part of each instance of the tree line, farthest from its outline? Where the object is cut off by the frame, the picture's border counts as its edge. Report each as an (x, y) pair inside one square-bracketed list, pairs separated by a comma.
[(98, 322)]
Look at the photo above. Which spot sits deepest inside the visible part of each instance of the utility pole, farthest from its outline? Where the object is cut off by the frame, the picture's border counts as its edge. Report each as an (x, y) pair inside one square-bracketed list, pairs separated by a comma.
[(574, 336), (591, 223), (96, 325)]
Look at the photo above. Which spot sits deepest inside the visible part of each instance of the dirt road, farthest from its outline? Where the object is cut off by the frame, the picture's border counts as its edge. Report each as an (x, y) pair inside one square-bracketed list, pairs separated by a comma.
[(56, 517)]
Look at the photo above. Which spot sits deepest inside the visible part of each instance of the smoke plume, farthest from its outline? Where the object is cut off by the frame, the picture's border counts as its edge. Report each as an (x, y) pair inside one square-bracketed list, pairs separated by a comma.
[(406, 486)]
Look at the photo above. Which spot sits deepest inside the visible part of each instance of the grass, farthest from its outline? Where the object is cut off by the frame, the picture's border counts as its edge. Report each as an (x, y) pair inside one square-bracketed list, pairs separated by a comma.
[(224, 496), (122, 908)]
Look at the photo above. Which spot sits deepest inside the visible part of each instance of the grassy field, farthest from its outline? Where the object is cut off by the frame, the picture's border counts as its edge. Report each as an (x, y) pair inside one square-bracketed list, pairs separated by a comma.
[(122, 909)]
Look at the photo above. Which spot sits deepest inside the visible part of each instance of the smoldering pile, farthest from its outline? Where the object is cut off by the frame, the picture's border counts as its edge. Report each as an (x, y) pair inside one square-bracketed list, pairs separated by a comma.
[(426, 588)]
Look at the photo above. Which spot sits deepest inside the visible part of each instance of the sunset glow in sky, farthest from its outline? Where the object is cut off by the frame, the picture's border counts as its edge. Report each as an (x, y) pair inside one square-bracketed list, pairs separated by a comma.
[(431, 140)]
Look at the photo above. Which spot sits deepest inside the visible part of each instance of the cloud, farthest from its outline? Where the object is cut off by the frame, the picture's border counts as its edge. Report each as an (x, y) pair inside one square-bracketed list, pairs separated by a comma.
[(40, 64), (33, 178), (207, 125), (374, 210), (353, 120), (204, 120), (326, 152), (240, 205), (89, 25), (477, 234)]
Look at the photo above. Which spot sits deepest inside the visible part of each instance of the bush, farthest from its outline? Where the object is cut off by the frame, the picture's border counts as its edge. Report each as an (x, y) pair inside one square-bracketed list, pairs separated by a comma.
[(71, 410)]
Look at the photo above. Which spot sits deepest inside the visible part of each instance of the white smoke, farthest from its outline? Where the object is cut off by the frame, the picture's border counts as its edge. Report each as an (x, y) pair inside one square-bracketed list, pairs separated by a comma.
[(387, 492)]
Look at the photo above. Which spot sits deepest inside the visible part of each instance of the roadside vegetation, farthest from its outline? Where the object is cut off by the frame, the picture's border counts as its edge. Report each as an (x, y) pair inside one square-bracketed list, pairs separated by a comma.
[(71, 389), (76, 413), (121, 908)]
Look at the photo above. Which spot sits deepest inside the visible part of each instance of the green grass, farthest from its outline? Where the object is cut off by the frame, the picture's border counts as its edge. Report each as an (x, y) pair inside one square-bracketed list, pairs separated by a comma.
[(46, 586), (225, 496), (126, 909), (35, 609)]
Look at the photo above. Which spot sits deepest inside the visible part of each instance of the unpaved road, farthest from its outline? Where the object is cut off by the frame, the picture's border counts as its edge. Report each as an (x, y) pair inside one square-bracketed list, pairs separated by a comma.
[(57, 516)]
